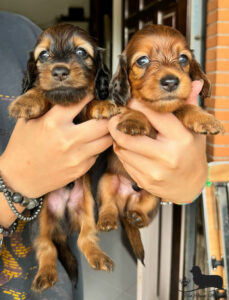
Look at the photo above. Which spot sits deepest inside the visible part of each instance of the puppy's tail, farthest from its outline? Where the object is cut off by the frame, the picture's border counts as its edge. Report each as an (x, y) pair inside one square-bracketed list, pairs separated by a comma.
[(134, 237), (67, 259)]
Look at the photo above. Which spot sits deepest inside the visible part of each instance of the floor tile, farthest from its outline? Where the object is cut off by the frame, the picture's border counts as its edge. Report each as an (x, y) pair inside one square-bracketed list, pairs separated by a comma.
[(99, 285)]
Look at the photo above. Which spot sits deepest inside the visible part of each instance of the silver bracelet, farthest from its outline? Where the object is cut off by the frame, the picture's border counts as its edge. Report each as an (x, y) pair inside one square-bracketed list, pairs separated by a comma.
[(28, 203), (7, 232)]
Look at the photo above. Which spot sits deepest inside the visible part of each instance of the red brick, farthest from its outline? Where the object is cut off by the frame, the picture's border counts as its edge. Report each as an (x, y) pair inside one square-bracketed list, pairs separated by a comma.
[(220, 115), (220, 40), (217, 103), (223, 4), (218, 151), (217, 158), (214, 4), (219, 139), (219, 65), (218, 28), (217, 53), (219, 78), (220, 90), (218, 14), (226, 126)]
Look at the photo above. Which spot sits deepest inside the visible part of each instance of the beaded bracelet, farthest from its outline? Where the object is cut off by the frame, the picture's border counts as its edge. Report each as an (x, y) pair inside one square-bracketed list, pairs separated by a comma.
[(28, 203), (7, 232)]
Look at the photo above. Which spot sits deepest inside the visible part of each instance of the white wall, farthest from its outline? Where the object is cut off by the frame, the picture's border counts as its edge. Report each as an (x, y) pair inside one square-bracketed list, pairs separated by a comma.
[(43, 12)]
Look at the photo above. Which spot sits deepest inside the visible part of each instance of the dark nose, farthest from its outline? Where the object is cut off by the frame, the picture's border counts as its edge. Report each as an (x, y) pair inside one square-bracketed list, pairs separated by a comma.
[(169, 83), (60, 73)]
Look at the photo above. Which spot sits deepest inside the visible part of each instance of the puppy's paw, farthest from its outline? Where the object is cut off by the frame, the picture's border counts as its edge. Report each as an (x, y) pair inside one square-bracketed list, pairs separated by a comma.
[(107, 222), (104, 110), (134, 127), (100, 261), (44, 280), (209, 126), (136, 218), (18, 110)]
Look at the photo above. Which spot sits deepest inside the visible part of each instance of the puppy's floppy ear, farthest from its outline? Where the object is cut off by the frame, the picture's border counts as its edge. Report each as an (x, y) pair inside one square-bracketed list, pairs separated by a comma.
[(120, 87), (102, 77), (196, 73), (30, 74)]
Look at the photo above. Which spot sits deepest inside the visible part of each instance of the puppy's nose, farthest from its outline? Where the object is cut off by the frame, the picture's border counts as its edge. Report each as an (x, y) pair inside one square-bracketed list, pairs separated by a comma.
[(60, 73), (169, 83)]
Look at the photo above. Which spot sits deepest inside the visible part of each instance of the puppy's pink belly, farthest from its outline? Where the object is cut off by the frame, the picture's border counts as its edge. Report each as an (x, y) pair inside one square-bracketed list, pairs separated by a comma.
[(76, 197), (57, 201), (60, 199), (125, 187)]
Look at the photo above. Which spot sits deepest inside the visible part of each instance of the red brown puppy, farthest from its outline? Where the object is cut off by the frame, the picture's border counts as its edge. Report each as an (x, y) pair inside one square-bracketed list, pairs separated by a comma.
[(156, 68)]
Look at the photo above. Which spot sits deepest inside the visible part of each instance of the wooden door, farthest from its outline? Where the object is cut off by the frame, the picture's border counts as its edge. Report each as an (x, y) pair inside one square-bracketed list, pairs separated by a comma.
[(137, 13)]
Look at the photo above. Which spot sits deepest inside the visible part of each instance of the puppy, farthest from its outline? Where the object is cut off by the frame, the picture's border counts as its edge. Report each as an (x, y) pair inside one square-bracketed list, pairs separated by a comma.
[(64, 67), (156, 68)]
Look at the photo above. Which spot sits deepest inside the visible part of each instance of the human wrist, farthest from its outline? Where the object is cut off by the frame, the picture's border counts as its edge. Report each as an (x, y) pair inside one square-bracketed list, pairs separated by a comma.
[(8, 173), (13, 198), (13, 177), (7, 217)]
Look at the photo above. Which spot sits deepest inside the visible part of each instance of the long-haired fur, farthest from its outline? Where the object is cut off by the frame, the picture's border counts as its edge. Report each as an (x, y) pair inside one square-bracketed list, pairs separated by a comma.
[(156, 68), (65, 65)]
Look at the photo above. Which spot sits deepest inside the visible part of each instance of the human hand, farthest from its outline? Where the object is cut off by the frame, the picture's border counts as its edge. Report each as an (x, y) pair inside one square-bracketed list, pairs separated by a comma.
[(45, 154), (173, 166)]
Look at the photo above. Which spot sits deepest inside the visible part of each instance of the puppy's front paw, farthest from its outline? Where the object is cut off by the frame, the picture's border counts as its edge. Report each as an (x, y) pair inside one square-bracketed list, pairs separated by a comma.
[(28, 111), (100, 261), (104, 110), (107, 222), (208, 126), (44, 280), (134, 127)]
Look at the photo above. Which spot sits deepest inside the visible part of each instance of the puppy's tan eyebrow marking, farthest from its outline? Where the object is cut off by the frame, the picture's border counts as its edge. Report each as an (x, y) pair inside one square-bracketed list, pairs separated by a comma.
[(79, 42), (187, 53), (43, 45)]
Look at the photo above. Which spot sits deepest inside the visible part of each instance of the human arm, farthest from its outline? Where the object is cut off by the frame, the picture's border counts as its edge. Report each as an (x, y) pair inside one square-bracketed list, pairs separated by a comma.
[(45, 154), (173, 166)]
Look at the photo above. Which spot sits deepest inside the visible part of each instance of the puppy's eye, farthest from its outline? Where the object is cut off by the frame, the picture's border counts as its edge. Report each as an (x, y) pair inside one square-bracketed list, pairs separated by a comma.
[(183, 60), (143, 61), (43, 56), (81, 52)]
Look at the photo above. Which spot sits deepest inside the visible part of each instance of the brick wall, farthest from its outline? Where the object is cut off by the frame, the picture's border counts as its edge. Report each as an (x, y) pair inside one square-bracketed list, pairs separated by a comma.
[(217, 68)]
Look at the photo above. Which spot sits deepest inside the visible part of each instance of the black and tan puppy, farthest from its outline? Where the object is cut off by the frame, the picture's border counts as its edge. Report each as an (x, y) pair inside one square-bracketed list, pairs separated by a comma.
[(156, 68), (64, 67)]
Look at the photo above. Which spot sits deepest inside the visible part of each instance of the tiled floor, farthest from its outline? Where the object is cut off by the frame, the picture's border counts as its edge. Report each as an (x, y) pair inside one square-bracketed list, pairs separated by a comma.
[(117, 285)]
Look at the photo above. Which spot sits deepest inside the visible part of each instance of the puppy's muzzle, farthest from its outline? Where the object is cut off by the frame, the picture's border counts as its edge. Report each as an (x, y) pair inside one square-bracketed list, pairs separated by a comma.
[(169, 83), (60, 73)]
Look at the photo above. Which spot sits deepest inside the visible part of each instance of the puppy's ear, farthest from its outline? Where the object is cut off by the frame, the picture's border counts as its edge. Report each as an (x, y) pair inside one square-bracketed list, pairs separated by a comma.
[(196, 73), (30, 74), (120, 87), (102, 77)]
